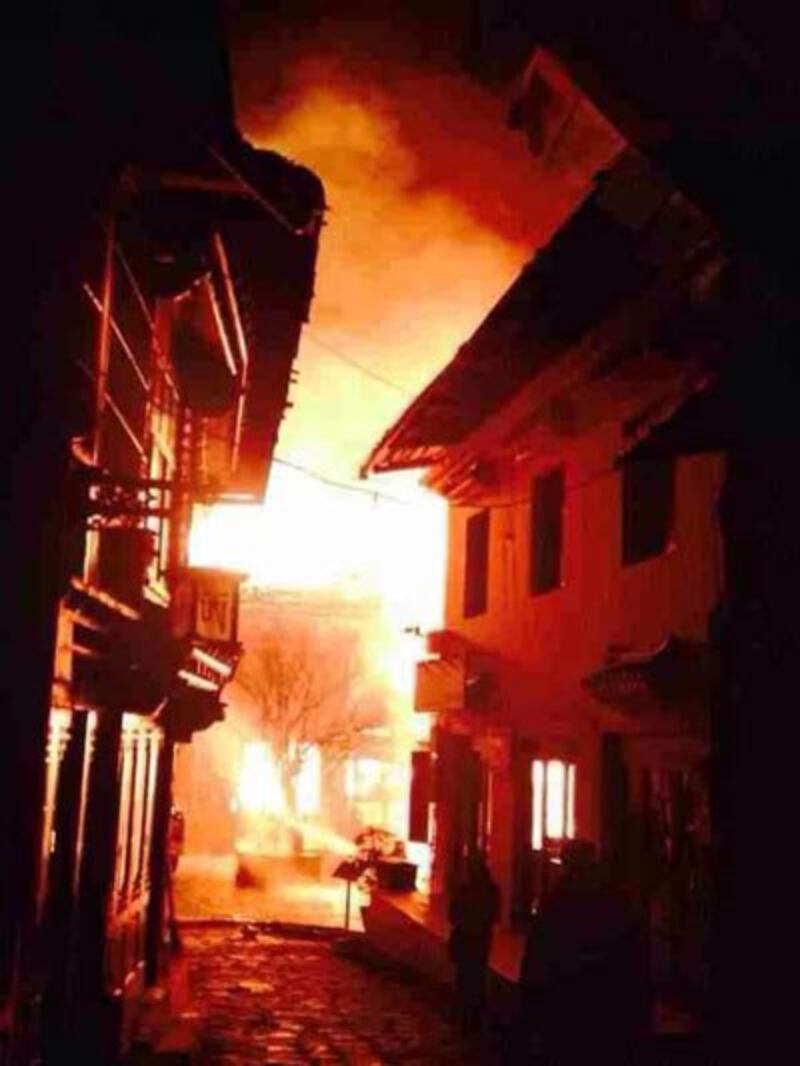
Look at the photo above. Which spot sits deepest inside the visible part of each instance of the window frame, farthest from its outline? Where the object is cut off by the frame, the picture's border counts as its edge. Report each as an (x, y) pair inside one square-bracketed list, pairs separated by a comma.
[(640, 539), (545, 562), (476, 563)]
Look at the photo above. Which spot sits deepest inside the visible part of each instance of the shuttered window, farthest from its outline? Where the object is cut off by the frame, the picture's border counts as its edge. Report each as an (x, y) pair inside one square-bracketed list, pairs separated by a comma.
[(476, 577), (547, 508), (648, 488), (420, 797)]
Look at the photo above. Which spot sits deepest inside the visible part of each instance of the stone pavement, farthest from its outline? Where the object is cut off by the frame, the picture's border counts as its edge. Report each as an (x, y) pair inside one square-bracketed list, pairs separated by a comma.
[(289, 1000), (205, 888)]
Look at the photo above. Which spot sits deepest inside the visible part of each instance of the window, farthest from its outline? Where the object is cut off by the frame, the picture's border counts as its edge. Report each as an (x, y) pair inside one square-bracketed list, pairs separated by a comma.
[(421, 797), (553, 801), (477, 565), (547, 503), (647, 500)]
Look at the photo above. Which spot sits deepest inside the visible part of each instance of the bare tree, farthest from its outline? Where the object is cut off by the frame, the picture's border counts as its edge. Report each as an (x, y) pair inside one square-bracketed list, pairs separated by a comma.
[(305, 693)]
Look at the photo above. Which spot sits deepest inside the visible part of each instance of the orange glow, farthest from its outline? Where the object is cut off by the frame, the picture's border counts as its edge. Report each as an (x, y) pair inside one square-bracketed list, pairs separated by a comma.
[(417, 246), (552, 801), (537, 781), (311, 536), (555, 800), (259, 788), (265, 815), (307, 784), (571, 801)]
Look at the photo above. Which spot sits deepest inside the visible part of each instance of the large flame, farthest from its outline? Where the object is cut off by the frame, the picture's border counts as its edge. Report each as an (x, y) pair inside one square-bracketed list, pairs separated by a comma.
[(434, 207), (267, 817), (259, 789), (312, 536)]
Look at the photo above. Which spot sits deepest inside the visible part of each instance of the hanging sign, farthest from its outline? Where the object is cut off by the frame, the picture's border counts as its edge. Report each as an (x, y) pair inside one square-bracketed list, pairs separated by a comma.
[(206, 605)]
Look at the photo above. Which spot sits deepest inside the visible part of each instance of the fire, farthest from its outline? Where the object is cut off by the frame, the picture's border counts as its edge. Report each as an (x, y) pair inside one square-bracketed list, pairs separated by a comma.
[(417, 246), (369, 541), (393, 545), (259, 789), (266, 816)]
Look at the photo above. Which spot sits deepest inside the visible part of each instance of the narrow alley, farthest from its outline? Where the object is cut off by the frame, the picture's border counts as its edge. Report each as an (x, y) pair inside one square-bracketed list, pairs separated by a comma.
[(308, 999), (403, 536)]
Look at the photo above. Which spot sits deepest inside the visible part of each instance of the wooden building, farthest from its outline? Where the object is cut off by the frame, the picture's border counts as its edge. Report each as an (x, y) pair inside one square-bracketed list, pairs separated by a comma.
[(175, 272), (708, 94), (572, 685)]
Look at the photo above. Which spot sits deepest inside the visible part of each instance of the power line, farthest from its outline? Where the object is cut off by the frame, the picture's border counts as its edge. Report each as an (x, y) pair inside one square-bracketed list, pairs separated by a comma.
[(267, 205), (518, 501), (279, 217), (356, 365), (341, 485)]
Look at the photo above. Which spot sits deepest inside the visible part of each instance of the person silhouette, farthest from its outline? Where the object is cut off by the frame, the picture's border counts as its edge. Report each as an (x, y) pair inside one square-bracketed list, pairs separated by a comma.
[(584, 977), (474, 908)]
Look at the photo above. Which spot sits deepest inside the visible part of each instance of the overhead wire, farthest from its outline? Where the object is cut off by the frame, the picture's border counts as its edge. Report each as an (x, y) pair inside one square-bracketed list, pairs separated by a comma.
[(356, 365), (518, 501), (341, 485), (270, 208), (299, 231)]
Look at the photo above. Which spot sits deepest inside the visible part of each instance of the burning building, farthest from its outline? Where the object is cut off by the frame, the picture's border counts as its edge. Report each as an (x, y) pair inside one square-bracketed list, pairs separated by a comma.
[(313, 748), (175, 275)]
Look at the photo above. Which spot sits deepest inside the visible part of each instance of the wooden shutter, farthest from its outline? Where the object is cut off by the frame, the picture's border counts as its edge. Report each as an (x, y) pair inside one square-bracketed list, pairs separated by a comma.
[(547, 504), (476, 577), (647, 504), (421, 795)]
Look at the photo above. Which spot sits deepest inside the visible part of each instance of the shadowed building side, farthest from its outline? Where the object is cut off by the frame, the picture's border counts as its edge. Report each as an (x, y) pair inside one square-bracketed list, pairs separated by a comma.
[(570, 686), (151, 380)]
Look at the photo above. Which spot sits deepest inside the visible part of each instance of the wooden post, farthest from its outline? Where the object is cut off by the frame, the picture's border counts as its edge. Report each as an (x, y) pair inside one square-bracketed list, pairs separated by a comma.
[(90, 1010), (159, 871), (61, 913)]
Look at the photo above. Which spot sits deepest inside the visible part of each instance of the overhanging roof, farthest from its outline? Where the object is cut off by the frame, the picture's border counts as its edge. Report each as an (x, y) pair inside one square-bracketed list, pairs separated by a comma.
[(704, 422), (583, 274), (676, 671), (267, 212)]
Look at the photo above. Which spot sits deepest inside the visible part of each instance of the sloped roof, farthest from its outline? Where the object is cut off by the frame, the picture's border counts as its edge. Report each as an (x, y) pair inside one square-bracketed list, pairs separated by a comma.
[(268, 211), (584, 273)]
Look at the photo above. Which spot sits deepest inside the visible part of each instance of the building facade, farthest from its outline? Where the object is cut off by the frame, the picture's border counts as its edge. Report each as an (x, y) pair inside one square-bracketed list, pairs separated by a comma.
[(572, 686), (173, 285)]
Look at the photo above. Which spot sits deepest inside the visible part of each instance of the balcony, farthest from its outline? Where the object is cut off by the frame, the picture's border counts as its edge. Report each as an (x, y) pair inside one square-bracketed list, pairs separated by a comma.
[(458, 678), (440, 685)]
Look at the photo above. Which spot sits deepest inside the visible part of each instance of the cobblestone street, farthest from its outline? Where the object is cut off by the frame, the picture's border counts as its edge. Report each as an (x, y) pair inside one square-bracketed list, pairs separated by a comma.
[(267, 999), (205, 887)]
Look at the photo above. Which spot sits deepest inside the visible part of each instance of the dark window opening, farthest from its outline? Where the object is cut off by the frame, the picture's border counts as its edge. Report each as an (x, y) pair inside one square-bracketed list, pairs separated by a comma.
[(421, 797), (647, 505), (547, 506), (477, 565)]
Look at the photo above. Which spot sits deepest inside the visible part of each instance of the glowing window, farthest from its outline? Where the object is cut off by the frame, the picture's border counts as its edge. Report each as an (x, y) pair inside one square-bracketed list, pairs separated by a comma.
[(307, 783), (552, 801), (537, 782), (364, 776)]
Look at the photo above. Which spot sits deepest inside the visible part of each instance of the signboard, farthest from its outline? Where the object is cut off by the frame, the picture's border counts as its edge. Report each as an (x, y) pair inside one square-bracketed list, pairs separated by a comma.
[(215, 609), (206, 605), (440, 685)]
